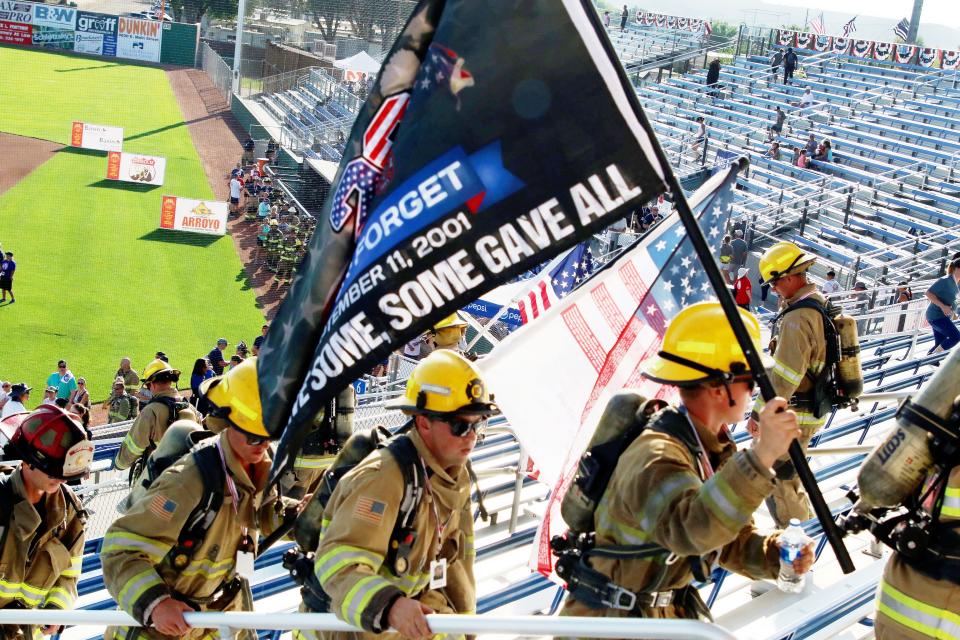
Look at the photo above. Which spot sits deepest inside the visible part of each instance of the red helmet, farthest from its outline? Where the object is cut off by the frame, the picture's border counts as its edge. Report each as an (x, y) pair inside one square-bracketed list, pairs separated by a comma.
[(51, 440)]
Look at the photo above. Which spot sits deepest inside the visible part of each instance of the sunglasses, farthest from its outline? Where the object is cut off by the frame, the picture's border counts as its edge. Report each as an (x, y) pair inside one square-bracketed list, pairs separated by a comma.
[(462, 428), (253, 440), (747, 380)]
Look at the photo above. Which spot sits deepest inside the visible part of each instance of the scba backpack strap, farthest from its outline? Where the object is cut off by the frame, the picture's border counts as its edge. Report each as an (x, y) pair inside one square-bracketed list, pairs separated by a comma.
[(8, 500), (822, 397), (207, 459), (403, 536)]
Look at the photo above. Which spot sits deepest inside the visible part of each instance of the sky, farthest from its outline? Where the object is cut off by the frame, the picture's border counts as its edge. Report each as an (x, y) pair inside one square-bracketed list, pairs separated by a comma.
[(945, 12)]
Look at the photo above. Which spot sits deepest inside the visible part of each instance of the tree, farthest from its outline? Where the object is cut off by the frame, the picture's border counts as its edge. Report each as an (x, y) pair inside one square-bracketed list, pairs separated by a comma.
[(724, 29), (190, 11)]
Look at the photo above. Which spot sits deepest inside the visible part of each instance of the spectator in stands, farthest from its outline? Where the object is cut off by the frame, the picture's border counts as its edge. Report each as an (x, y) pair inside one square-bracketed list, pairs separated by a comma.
[(272, 150), (774, 151), (258, 341), (62, 380), (83, 413), (698, 140), (80, 395), (830, 285), (942, 295), (49, 395), (248, 147), (811, 145), (120, 405), (862, 305), (201, 371), (131, 380), (903, 293), (776, 59), (789, 65), (781, 118), (713, 78), (234, 361), (263, 209), (740, 253), (806, 100), (623, 18), (606, 19), (726, 260), (743, 289), (217, 363), (4, 392), (824, 152), (796, 156), (235, 186), (19, 397), (803, 161), (242, 350), (7, 269)]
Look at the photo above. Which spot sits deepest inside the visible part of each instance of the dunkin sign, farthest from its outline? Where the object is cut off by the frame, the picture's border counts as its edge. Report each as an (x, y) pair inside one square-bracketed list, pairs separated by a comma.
[(139, 39), (198, 216)]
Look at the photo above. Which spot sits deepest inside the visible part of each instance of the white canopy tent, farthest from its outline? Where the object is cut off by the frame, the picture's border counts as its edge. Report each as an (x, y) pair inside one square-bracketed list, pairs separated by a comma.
[(362, 62)]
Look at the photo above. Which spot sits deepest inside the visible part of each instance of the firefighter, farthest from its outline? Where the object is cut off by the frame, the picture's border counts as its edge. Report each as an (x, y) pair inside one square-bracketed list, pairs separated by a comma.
[(165, 406), (165, 556), (448, 333), (41, 520), (375, 581), (681, 489), (799, 355)]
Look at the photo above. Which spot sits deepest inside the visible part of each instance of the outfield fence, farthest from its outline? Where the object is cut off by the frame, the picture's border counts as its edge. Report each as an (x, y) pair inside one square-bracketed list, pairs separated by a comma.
[(217, 69)]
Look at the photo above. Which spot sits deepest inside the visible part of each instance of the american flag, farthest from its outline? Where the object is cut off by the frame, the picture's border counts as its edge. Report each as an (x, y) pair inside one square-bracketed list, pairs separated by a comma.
[(560, 277), (602, 333), (850, 27), (816, 25), (902, 29)]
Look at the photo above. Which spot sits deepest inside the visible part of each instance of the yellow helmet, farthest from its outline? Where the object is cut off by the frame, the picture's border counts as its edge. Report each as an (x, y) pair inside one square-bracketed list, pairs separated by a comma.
[(236, 397), (453, 320), (699, 346), (445, 383), (784, 259), (160, 371)]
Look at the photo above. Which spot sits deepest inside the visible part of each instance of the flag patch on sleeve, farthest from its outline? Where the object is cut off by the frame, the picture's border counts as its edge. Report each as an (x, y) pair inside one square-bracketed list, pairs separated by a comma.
[(162, 507), (369, 510)]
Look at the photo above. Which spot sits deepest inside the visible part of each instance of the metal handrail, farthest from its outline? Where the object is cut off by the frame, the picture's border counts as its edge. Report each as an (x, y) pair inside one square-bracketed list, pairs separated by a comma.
[(226, 623)]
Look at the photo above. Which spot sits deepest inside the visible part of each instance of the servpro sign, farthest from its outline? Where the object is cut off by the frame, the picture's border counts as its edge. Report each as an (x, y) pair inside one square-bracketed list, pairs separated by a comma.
[(199, 216)]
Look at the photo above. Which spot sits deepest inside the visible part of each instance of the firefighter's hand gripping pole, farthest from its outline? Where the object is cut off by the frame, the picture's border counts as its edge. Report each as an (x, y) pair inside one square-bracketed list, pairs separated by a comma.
[(830, 529)]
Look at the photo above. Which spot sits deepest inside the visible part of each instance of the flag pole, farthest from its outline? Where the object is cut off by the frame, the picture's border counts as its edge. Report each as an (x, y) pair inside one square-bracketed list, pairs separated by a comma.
[(730, 309)]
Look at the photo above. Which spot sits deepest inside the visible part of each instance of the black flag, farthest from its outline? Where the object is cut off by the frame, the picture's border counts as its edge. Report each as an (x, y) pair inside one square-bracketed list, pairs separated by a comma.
[(496, 135)]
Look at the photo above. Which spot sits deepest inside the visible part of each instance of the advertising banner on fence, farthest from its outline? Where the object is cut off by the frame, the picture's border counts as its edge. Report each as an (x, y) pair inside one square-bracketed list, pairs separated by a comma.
[(96, 33), (45, 15), (15, 33), (199, 216), (96, 136), (139, 39), (133, 167), (53, 38), (11, 11)]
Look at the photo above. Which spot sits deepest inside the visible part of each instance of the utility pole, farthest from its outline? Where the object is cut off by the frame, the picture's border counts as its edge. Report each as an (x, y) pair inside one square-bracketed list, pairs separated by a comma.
[(915, 22), (238, 47)]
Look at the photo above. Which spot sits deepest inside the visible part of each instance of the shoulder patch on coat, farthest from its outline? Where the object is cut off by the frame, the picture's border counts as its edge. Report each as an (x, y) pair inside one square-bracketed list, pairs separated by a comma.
[(163, 507), (369, 510)]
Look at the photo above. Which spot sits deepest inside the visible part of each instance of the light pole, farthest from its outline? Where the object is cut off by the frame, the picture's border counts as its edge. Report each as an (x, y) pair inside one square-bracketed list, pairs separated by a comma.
[(915, 22), (238, 47)]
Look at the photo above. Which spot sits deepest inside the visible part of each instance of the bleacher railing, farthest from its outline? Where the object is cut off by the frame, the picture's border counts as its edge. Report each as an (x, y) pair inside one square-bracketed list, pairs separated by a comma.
[(228, 623)]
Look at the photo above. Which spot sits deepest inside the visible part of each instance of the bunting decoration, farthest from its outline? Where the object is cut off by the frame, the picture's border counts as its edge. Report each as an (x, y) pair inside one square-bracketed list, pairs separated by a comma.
[(862, 48), (682, 23), (661, 21), (950, 60), (841, 46), (882, 50), (929, 57), (671, 22), (823, 43), (803, 40), (903, 53), (786, 38)]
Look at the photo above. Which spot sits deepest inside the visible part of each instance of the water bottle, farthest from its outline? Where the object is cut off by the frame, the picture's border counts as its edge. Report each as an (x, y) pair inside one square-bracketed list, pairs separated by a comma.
[(791, 543)]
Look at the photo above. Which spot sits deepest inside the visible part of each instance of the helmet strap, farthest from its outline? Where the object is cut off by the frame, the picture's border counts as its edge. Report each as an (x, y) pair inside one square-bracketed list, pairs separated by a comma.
[(725, 377)]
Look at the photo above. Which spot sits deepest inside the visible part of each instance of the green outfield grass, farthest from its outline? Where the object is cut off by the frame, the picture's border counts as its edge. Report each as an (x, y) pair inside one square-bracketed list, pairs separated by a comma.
[(95, 279)]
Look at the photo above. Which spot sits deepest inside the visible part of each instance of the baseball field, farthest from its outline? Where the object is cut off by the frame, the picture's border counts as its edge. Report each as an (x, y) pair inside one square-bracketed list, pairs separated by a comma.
[(96, 279)]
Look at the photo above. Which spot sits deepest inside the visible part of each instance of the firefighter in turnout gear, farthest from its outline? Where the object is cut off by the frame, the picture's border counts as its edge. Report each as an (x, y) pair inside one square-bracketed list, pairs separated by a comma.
[(681, 495), (189, 543), (165, 407), (799, 355), (375, 573), (448, 333), (41, 520)]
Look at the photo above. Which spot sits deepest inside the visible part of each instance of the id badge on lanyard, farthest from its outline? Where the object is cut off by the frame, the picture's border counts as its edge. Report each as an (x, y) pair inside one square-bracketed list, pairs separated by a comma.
[(245, 556)]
